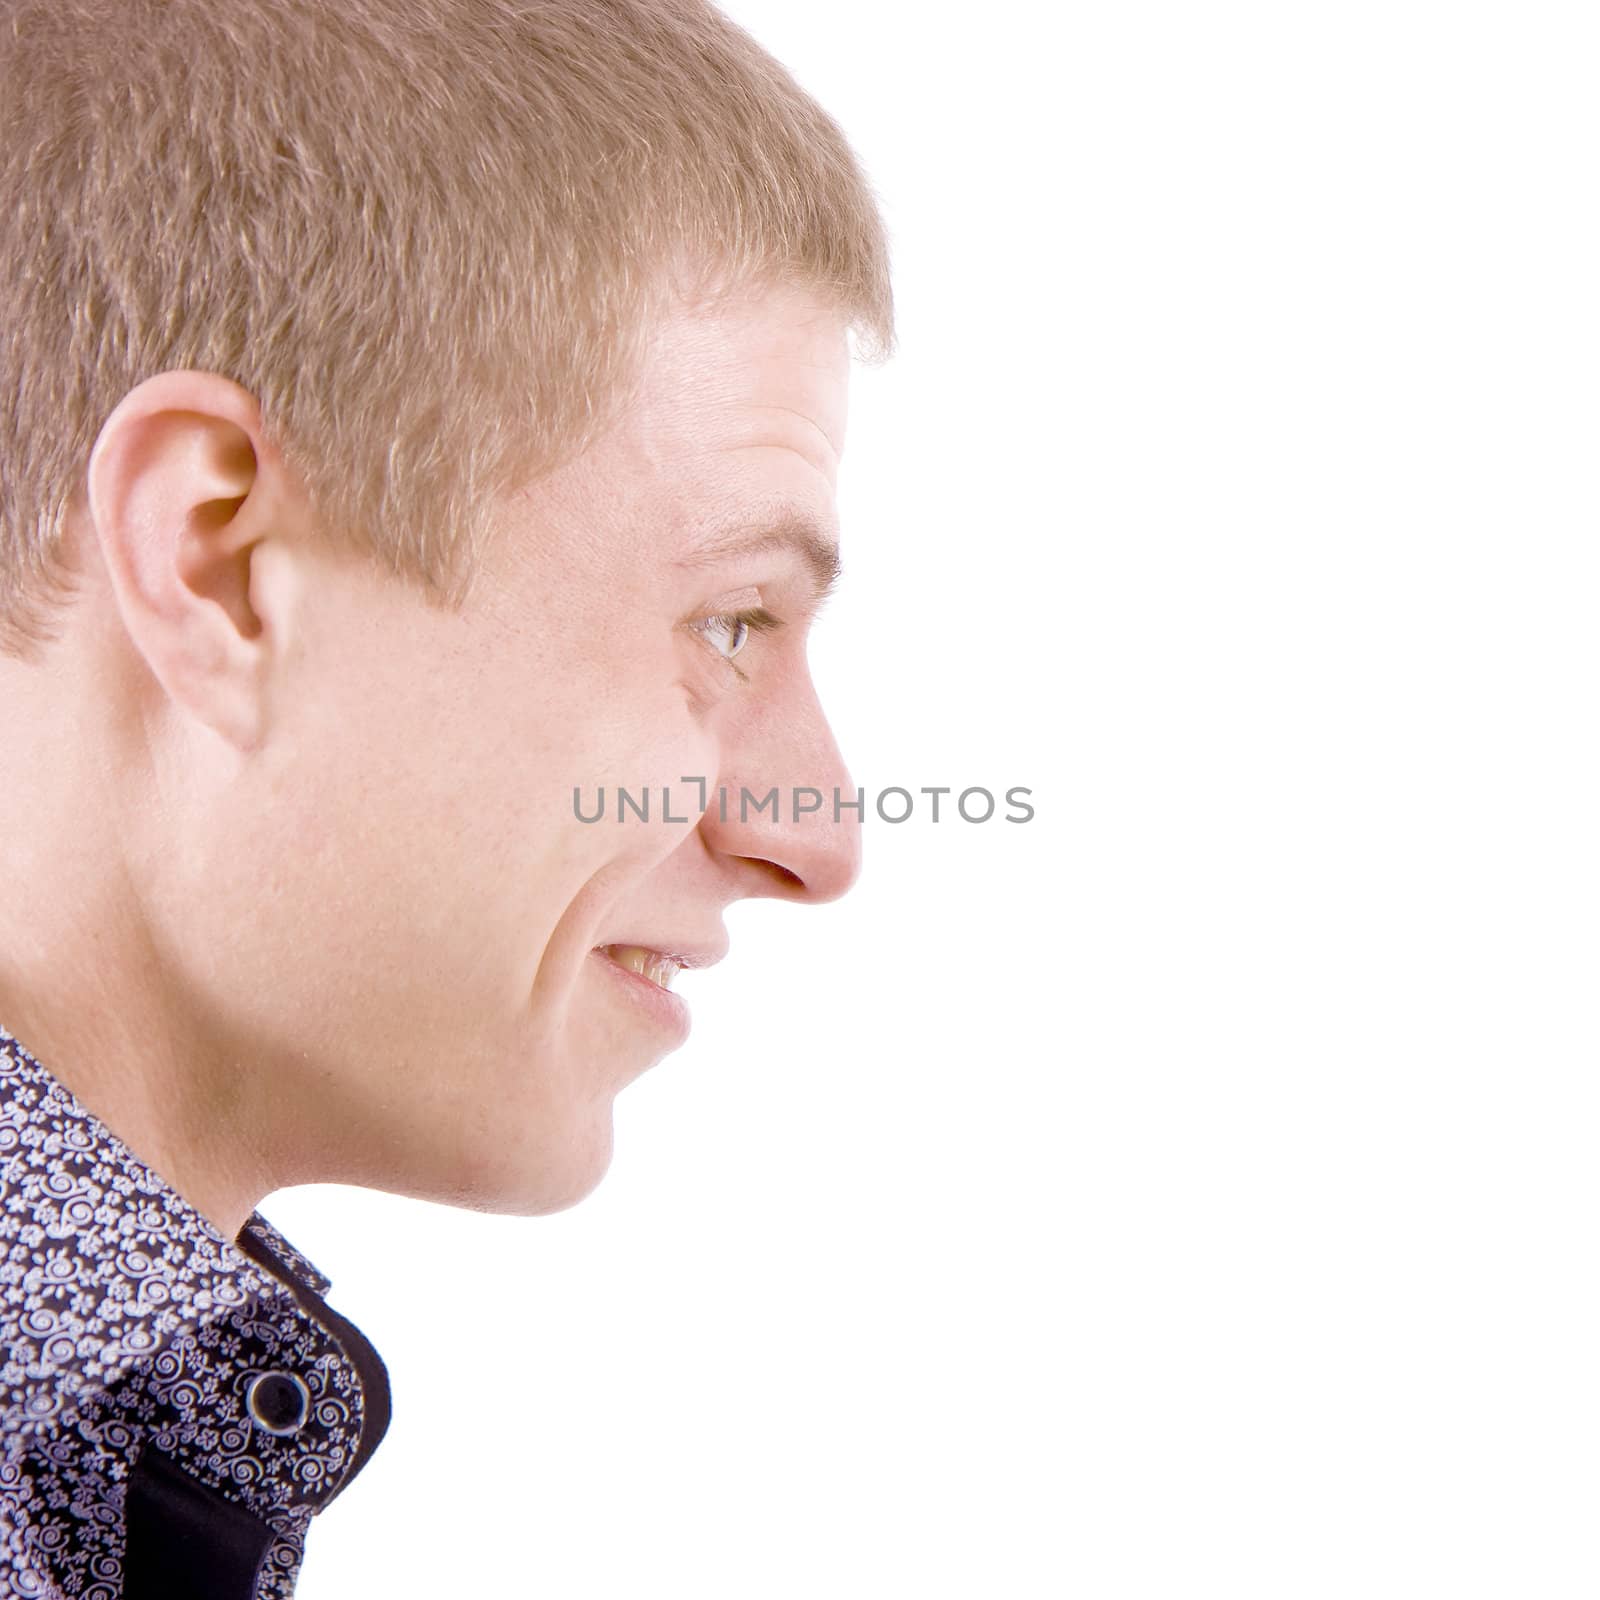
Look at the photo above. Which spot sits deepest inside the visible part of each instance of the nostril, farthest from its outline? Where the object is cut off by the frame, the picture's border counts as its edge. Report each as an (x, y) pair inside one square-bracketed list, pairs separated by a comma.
[(785, 879)]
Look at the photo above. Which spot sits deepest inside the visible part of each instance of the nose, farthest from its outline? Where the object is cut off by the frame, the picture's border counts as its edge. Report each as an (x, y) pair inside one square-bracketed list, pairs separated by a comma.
[(783, 812)]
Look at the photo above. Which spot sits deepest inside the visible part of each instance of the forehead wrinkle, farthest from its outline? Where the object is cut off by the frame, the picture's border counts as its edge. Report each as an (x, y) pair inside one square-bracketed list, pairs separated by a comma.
[(810, 421)]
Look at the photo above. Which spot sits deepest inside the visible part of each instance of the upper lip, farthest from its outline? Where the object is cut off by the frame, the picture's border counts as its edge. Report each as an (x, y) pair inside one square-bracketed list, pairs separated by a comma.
[(684, 955)]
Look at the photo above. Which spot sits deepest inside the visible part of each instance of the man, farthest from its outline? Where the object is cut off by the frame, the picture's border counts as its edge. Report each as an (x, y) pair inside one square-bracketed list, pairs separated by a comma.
[(418, 413)]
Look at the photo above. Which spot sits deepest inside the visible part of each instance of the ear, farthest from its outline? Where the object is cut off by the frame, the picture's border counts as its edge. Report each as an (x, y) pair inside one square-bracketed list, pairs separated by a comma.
[(197, 521)]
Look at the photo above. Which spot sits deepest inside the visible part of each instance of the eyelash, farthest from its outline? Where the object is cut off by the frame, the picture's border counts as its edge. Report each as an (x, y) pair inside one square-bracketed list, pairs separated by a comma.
[(757, 620)]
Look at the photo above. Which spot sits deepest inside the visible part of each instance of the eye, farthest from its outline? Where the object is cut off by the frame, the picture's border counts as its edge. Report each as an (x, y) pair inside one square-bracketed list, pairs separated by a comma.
[(727, 634)]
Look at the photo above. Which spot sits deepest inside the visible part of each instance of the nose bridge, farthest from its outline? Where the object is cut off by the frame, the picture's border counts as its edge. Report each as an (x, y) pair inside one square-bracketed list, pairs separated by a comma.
[(785, 797)]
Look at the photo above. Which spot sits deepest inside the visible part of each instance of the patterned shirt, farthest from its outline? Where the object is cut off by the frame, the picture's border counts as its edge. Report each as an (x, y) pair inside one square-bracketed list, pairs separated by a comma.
[(174, 1407)]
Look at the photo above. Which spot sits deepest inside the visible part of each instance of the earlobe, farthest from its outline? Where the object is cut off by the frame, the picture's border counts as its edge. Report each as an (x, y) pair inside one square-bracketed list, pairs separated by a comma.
[(181, 494)]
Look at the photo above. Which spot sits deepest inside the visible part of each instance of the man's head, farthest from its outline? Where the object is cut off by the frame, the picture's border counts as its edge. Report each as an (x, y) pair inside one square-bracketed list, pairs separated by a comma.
[(406, 392)]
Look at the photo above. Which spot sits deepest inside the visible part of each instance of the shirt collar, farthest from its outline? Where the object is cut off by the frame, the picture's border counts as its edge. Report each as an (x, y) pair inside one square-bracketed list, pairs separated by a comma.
[(127, 1315)]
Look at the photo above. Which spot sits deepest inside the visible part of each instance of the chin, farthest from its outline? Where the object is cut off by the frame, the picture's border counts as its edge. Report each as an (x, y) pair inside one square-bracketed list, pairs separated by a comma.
[(545, 1175)]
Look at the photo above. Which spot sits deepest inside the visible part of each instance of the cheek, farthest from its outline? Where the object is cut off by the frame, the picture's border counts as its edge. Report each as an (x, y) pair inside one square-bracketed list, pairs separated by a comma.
[(661, 785), (640, 733), (479, 823), (487, 856)]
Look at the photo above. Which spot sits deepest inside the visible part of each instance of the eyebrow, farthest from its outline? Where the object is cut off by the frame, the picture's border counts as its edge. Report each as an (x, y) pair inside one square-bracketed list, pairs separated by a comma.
[(791, 530)]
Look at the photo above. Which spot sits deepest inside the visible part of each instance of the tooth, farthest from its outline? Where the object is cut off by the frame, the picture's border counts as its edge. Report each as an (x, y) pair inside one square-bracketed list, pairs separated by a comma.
[(631, 957), (660, 970)]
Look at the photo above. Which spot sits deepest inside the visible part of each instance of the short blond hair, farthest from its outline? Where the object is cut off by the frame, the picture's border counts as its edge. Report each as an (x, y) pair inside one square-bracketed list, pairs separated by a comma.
[(428, 236)]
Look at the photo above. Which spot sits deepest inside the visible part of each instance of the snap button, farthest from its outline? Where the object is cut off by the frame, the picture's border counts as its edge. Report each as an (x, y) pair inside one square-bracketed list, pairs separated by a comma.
[(279, 1402)]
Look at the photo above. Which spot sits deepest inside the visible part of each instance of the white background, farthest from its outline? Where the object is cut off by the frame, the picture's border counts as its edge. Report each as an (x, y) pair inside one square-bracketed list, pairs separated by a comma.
[(1193, 1191)]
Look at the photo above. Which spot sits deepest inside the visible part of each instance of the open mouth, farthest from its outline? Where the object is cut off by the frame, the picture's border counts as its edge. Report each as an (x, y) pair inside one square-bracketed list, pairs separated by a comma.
[(653, 965)]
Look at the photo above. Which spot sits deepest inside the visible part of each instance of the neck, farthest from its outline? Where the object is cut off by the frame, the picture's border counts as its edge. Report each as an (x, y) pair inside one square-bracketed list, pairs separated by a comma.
[(82, 985)]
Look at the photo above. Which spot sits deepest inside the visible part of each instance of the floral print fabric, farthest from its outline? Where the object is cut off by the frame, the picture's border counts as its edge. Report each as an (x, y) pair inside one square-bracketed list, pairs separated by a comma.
[(127, 1320)]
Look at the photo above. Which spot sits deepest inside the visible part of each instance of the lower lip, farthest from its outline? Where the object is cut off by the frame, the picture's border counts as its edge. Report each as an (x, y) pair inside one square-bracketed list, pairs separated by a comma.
[(666, 1009)]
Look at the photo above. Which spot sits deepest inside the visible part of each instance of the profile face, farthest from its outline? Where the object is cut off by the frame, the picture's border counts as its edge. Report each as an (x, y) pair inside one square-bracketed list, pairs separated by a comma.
[(443, 947)]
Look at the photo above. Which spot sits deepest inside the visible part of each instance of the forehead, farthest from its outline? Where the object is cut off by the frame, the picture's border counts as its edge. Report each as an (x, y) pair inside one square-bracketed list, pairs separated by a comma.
[(735, 424), (767, 368)]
